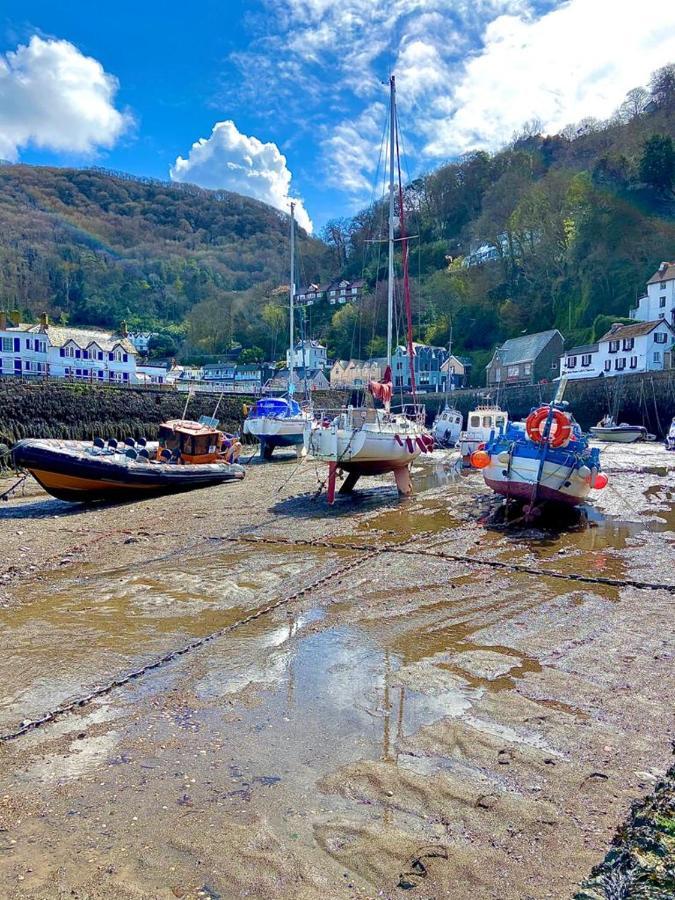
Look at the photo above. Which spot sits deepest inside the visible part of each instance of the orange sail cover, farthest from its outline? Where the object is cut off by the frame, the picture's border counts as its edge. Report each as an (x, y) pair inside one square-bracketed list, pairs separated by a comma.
[(382, 390)]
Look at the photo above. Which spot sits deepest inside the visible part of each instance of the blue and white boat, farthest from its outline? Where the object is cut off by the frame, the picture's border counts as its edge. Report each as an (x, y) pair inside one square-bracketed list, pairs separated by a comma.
[(281, 421), (278, 422), (546, 459)]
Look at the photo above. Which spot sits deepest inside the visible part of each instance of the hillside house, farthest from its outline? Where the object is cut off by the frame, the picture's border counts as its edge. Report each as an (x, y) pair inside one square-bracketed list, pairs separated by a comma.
[(314, 378), (58, 351), (307, 354), (455, 372), (659, 301), (643, 347), (526, 360), (427, 365), (348, 374)]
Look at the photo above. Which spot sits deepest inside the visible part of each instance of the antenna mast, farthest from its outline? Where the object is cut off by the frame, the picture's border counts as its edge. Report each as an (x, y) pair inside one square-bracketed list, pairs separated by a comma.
[(291, 358)]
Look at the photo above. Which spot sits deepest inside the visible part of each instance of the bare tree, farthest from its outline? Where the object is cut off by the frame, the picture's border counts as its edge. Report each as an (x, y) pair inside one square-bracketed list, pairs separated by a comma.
[(634, 104)]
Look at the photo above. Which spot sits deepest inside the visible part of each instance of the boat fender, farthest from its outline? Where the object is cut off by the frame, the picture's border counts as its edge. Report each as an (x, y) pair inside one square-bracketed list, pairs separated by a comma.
[(421, 444), (584, 473), (398, 440), (409, 444), (480, 459), (429, 439), (600, 481), (503, 456)]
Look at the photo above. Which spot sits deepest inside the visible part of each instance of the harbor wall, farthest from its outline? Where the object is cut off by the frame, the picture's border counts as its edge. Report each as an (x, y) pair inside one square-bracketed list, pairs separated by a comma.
[(647, 399), (83, 411)]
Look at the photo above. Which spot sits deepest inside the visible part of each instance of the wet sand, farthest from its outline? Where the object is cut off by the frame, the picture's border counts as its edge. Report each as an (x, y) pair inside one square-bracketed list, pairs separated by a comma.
[(418, 721)]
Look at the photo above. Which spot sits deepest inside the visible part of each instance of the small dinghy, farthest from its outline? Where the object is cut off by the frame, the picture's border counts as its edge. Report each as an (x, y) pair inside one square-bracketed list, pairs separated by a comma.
[(188, 455), (607, 430)]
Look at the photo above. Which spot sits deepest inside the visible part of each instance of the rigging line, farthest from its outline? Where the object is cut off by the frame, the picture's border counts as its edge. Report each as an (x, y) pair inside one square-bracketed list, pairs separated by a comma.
[(404, 260)]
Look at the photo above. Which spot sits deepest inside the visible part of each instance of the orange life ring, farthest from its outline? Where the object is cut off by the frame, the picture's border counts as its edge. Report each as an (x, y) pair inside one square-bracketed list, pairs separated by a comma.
[(560, 431)]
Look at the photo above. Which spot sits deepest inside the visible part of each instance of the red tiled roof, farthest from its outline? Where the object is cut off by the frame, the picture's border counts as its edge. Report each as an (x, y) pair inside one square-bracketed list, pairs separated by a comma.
[(665, 274), (629, 331)]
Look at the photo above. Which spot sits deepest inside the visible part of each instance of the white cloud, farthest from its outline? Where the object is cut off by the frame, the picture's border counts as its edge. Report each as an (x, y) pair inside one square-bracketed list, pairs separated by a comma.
[(350, 152), (54, 97), (579, 60), (230, 160)]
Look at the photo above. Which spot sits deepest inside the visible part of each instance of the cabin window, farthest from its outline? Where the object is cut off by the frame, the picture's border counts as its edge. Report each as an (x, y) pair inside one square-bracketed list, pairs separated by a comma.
[(500, 422), (487, 421), (475, 421)]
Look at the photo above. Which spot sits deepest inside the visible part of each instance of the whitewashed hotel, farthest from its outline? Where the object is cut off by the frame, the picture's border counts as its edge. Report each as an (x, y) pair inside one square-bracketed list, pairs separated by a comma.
[(59, 351), (625, 349)]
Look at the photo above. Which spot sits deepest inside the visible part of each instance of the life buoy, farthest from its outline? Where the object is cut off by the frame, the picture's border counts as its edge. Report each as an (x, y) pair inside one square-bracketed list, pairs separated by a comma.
[(560, 431)]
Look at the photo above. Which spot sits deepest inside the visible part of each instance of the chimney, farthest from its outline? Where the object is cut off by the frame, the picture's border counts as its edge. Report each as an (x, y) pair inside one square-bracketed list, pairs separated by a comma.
[(15, 318), (663, 267), (44, 320), (615, 327), (123, 328), (3, 320)]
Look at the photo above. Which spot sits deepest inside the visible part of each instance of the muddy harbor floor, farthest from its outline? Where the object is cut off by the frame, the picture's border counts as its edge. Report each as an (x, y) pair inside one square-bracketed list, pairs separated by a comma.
[(413, 719)]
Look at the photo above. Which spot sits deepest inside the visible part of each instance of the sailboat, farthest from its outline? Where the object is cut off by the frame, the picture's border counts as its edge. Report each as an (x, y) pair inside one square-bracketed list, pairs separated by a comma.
[(281, 421), (372, 441)]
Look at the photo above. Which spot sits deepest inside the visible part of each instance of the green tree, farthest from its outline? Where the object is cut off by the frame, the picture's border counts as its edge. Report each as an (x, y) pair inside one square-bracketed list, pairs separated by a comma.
[(657, 164)]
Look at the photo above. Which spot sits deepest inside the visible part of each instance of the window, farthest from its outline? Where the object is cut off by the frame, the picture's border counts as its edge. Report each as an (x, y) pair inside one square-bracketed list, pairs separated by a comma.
[(487, 421), (586, 360), (475, 421), (662, 302), (571, 362), (527, 368), (7, 345), (513, 371), (633, 362), (27, 344), (608, 365), (663, 285), (42, 367), (100, 355), (662, 315), (17, 366), (660, 337), (657, 356), (628, 343), (78, 354), (619, 364), (613, 346), (354, 290), (27, 365)]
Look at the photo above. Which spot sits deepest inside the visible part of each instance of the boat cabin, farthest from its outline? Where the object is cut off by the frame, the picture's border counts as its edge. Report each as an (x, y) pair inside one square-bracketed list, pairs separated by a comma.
[(487, 419), (190, 442)]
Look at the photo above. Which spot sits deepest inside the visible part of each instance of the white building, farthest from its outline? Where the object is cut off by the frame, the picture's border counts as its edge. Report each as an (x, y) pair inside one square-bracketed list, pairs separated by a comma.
[(625, 349), (659, 301), (307, 354), (149, 374), (141, 340), (63, 352)]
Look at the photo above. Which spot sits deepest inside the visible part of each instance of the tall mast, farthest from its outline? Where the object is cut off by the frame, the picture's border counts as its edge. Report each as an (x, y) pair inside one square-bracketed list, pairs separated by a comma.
[(291, 359), (390, 280)]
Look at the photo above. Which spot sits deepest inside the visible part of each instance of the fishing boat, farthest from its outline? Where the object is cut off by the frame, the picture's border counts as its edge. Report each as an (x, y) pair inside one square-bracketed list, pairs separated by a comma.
[(364, 440), (188, 455), (447, 427), (608, 430), (546, 459), (281, 421), (670, 437), (482, 424)]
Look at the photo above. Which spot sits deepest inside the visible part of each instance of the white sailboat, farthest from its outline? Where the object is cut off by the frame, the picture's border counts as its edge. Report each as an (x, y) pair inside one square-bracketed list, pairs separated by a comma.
[(281, 421), (366, 441)]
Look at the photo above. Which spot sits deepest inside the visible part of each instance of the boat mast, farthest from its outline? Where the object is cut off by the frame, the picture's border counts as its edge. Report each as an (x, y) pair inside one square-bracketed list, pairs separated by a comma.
[(390, 280), (291, 358)]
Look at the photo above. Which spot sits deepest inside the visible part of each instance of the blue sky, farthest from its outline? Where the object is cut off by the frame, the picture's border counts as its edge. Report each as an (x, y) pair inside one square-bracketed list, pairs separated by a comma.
[(286, 95)]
